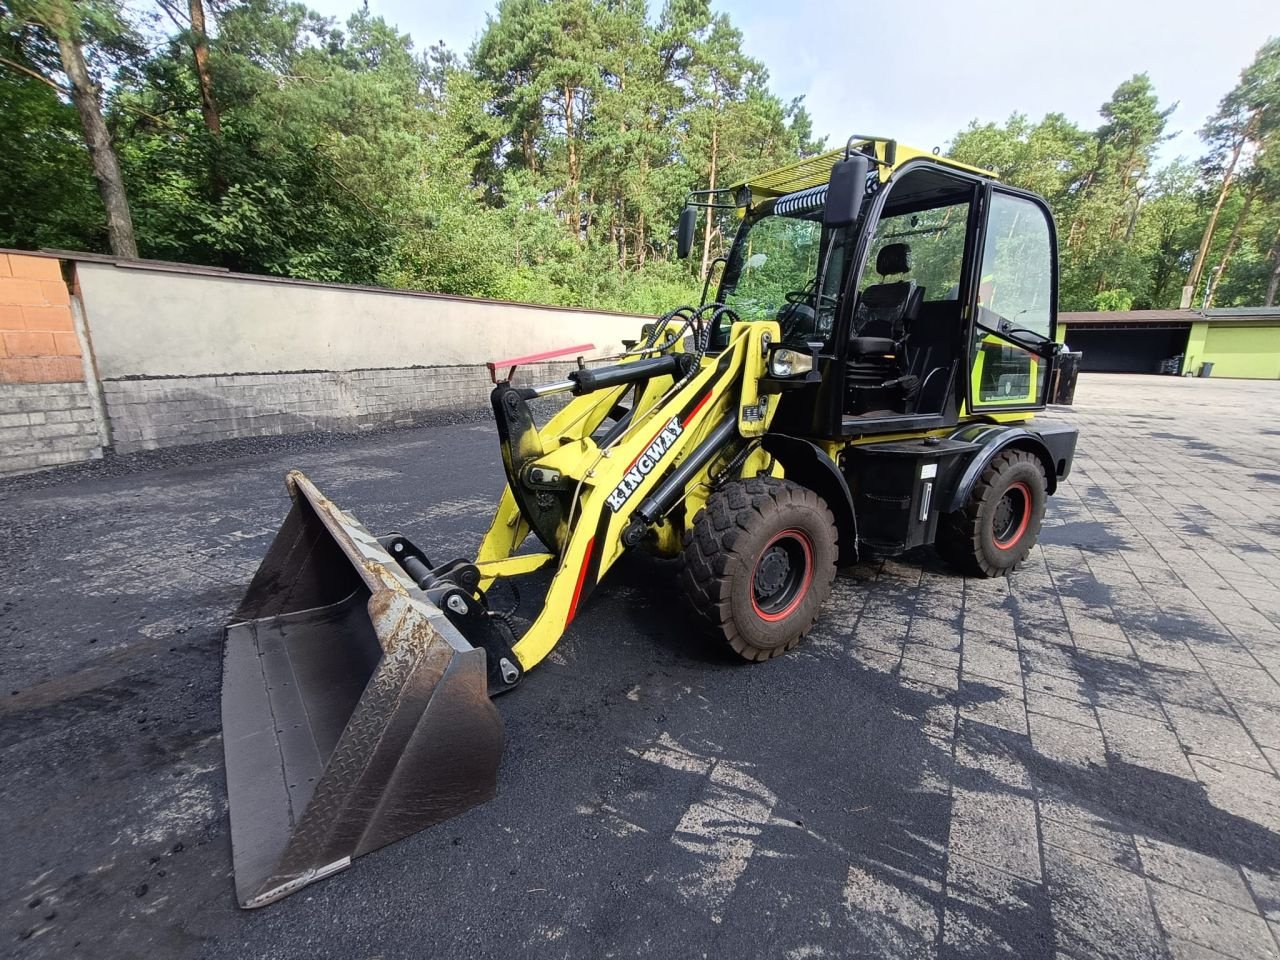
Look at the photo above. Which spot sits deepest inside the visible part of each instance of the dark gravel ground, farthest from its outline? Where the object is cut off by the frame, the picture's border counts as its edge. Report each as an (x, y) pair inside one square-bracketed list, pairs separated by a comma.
[(656, 798)]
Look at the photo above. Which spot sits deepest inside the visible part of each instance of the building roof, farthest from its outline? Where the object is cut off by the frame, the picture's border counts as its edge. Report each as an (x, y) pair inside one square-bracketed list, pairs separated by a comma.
[(1135, 318)]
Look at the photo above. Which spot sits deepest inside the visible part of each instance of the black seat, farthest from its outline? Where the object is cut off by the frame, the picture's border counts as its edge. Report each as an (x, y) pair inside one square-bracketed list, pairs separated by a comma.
[(886, 309), (874, 375)]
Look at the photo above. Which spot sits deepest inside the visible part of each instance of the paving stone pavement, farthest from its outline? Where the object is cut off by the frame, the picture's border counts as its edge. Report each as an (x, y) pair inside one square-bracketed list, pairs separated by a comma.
[(1078, 761)]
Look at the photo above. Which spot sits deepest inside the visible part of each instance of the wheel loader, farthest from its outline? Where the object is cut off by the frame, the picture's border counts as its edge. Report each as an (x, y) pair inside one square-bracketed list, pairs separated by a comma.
[(862, 383)]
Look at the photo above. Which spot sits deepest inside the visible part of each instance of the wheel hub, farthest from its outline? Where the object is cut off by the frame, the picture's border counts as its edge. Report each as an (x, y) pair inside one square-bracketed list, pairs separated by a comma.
[(782, 575), (1010, 517), (772, 571)]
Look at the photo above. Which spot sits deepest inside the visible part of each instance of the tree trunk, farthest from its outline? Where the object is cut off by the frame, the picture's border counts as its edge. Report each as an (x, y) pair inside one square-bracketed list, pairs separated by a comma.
[(106, 168), (1274, 254), (200, 50), (1232, 241), (1077, 224), (706, 235), (1193, 278), (575, 214)]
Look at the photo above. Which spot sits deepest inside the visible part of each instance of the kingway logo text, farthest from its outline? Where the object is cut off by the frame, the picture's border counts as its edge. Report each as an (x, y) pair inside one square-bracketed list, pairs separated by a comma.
[(645, 463)]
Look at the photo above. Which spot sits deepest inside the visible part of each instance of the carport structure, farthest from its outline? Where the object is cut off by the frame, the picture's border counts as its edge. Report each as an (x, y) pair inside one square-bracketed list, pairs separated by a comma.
[(1241, 342)]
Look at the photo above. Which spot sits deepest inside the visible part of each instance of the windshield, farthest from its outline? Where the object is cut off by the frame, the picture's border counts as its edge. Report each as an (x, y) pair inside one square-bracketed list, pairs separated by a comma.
[(772, 272)]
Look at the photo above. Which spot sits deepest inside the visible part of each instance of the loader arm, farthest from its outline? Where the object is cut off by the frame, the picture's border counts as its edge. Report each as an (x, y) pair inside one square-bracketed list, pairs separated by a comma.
[(673, 420)]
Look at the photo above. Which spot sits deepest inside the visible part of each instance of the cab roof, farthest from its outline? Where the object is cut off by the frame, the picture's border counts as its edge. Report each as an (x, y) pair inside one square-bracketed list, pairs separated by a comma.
[(815, 171)]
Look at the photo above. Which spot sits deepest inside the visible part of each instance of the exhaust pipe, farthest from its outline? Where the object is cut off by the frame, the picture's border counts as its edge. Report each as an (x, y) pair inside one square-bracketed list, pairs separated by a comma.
[(353, 712)]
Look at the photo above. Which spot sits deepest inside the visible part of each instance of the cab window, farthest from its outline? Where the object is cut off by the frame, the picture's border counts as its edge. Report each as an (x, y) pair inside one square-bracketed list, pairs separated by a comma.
[(935, 238), (1014, 298)]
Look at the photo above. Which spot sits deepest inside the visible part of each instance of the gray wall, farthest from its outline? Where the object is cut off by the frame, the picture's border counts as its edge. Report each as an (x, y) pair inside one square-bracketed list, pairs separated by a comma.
[(154, 322), (188, 356), (46, 425), (147, 414)]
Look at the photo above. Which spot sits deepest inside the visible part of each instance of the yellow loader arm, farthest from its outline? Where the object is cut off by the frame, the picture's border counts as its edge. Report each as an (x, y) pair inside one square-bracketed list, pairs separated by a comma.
[(358, 674)]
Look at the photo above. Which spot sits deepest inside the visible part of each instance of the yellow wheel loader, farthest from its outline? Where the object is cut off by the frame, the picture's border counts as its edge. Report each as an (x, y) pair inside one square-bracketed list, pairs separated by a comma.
[(863, 382)]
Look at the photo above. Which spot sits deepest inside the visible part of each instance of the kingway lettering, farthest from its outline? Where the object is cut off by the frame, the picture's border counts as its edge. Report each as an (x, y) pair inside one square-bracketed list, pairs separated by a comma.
[(645, 464)]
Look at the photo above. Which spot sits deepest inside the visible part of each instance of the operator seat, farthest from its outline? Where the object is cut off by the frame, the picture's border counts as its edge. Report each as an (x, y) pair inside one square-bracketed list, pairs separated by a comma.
[(876, 380), (886, 309)]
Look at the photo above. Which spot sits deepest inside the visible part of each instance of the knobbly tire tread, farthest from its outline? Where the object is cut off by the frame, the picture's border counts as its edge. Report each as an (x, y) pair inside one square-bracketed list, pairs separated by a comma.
[(733, 516), (960, 533)]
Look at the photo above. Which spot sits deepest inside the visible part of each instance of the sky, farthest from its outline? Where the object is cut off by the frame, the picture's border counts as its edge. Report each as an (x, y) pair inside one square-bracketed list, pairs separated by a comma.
[(920, 72)]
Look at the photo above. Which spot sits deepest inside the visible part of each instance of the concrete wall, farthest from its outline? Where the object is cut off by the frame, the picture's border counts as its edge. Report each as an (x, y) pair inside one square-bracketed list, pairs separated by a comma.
[(149, 413), (47, 409), (140, 355), (189, 355), (153, 322)]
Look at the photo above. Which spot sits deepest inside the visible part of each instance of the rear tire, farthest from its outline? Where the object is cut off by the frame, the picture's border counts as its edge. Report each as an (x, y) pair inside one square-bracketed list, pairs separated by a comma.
[(758, 563), (996, 529)]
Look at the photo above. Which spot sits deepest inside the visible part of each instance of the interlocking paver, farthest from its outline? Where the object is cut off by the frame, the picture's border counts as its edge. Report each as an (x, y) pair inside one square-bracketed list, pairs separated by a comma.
[(1077, 761), (1211, 923)]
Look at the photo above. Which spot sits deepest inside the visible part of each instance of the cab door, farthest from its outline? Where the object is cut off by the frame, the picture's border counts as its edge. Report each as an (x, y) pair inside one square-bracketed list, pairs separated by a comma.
[(1013, 306)]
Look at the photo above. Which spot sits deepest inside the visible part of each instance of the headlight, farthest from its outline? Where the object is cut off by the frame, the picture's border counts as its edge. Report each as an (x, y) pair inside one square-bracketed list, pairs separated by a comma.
[(787, 363)]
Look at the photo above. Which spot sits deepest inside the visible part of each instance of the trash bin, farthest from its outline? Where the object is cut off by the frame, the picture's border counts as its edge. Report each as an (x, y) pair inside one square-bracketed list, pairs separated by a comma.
[(1066, 369), (1206, 369)]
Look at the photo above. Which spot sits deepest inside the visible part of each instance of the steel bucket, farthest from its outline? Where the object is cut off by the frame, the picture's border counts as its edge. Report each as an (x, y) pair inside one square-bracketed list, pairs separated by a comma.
[(353, 713)]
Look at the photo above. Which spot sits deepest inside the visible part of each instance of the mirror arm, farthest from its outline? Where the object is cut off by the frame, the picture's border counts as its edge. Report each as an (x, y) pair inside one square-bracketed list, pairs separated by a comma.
[(706, 281)]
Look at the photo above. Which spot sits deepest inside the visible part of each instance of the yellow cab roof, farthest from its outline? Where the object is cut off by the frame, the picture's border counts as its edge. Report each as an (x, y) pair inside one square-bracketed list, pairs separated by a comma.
[(815, 171)]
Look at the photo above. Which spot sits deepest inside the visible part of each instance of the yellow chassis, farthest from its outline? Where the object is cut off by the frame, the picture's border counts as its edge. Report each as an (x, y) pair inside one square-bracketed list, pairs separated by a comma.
[(590, 541)]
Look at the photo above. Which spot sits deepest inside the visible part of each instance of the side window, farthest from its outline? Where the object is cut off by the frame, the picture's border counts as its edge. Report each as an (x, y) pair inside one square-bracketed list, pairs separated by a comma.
[(1015, 291), (1016, 265), (936, 238)]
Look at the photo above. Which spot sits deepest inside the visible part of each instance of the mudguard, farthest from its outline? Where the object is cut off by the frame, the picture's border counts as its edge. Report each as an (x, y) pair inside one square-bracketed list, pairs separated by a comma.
[(1053, 443), (809, 466)]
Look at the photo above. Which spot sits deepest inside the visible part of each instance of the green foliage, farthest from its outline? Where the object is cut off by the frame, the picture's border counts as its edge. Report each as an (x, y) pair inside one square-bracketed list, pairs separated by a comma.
[(548, 163), (1128, 232), (1113, 300), (48, 198)]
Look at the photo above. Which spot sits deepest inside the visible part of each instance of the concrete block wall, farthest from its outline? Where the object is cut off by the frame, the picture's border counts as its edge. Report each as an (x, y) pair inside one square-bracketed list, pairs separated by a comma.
[(147, 414), (46, 411)]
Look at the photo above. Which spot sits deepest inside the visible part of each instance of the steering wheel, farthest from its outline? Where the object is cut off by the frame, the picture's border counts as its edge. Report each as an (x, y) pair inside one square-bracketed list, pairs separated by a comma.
[(807, 297)]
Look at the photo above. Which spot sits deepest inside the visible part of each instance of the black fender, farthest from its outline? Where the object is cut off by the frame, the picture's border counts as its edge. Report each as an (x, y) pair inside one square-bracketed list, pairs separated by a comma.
[(1054, 446), (806, 464)]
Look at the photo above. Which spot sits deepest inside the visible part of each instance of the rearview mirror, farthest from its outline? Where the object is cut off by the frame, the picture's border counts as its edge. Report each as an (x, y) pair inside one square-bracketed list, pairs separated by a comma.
[(684, 231), (845, 191)]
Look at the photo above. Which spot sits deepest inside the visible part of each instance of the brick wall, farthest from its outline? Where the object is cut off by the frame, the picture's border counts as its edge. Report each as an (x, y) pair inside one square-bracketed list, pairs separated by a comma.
[(146, 414), (46, 413), (38, 342)]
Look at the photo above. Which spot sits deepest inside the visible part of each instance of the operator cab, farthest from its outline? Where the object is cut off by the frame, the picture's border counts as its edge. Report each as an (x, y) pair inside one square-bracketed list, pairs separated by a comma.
[(936, 304)]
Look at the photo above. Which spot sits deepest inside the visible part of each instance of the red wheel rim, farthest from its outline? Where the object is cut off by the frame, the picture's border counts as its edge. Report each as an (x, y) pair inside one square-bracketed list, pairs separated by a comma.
[(1012, 516), (782, 575)]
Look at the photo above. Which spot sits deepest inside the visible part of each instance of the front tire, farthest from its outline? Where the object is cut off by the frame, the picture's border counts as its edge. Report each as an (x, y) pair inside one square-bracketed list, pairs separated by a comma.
[(996, 529), (758, 563)]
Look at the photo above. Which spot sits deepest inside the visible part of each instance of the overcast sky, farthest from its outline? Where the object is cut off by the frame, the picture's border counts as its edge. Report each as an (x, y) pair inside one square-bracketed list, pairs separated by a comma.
[(920, 72)]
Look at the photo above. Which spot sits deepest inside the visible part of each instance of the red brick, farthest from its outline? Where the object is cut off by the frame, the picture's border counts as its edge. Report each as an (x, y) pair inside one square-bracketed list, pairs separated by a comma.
[(3, 352), (55, 291), (21, 292), (54, 370), (20, 371), (35, 268), (28, 344), (48, 319), (66, 344), (11, 318), (63, 369)]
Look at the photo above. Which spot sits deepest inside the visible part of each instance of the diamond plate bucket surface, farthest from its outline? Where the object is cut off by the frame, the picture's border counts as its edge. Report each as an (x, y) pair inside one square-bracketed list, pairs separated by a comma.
[(353, 713)]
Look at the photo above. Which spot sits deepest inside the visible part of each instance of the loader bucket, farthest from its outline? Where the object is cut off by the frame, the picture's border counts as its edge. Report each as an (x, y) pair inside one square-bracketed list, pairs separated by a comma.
[(353, 713)]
